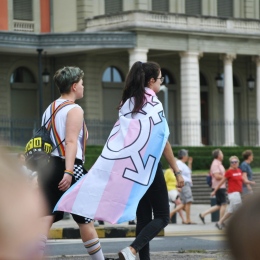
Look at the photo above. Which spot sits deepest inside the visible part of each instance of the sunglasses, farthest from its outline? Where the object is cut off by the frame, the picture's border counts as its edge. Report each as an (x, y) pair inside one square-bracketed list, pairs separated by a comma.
[(234, 162)]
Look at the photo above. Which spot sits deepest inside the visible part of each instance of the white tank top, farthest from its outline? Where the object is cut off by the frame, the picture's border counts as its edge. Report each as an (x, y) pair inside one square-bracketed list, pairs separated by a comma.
[(60, 124)]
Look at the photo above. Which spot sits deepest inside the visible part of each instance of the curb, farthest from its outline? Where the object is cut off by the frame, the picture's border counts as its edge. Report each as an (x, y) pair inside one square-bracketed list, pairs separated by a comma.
[(106, 232)]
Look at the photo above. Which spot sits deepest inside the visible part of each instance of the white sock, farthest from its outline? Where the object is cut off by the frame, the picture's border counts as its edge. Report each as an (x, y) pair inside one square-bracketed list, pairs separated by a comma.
[(94, 249)]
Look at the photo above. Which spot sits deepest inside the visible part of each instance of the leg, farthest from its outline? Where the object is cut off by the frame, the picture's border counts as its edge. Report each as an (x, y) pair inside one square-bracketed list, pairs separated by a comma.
[(222, 210), (178, 202), (156, 198), (210, 210), (177, 209), (89, 237), (187, 207)]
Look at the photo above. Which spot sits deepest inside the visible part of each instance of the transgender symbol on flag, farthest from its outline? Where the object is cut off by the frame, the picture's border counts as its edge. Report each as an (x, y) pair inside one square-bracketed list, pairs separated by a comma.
[(143, 168)]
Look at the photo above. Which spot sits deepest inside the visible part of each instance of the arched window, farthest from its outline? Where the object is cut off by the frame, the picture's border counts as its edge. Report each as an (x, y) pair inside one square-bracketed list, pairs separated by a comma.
[(161, 6), (168, 78), (113, 6), (112, 74), (193, 7), (22, 75), (23, 10), (225, 8)]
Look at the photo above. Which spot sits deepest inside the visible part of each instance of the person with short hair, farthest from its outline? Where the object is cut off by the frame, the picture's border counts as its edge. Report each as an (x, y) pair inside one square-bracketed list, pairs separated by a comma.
[(246, 168), (69, 134), (186, 192), (234, 177), (217, 172)]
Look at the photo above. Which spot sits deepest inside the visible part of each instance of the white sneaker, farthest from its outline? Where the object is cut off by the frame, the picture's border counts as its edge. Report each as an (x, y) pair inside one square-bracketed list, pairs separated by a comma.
[(126, 254)]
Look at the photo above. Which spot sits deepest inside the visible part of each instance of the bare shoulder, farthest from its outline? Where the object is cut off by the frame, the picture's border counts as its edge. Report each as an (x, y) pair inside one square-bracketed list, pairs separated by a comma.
[(76, 111)]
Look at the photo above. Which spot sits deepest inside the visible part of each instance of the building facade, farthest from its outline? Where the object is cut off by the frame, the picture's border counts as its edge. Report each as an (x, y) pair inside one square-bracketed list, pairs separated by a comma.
[(194, 41)]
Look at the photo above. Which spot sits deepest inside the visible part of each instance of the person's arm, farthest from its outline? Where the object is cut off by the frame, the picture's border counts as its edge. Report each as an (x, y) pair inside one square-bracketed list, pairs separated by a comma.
[(190, 160), (246, 181), (168, 154), (217, 175), (219, 185), (74, 124)]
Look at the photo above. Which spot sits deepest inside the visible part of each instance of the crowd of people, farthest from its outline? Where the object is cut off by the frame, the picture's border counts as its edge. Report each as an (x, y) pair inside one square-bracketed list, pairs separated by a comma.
[(228, 185), (66, 186)]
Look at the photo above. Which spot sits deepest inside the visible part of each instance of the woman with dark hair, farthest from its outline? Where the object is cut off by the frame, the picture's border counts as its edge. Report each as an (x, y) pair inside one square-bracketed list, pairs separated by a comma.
[(127, 179), (143, 79)]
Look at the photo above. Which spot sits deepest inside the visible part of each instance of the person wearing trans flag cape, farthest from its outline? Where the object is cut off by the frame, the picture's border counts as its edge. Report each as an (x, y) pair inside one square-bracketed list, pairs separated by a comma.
[(130, 160)]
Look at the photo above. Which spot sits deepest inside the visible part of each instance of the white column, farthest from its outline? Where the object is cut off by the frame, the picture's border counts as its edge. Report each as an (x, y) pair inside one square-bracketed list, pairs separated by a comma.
[(190, 99), (257, 60), (228, 100), (137, 54)]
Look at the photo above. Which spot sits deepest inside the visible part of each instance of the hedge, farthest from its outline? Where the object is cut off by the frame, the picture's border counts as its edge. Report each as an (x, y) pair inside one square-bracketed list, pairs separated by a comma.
[(202, 155)]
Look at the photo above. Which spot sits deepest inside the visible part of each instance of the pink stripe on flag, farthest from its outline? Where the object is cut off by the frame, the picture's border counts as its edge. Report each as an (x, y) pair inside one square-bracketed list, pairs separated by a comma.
[(117, 189), (67, 201), (132, 133)]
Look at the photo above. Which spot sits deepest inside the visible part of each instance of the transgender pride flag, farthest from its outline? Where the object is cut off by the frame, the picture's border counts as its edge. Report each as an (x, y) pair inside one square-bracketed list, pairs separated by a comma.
[(112, 188)]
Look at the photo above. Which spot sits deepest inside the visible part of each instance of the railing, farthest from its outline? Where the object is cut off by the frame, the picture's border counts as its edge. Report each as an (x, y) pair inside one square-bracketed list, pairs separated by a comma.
[(17, 132), (170, 21), (23, 26)]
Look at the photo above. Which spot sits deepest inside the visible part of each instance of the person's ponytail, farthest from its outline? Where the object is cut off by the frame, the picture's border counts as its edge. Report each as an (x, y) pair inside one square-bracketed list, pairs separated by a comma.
[(135, 86)]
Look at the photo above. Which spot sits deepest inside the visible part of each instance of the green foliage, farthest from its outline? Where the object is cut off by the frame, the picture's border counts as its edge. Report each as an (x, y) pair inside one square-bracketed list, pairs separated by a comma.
[(202, 155)]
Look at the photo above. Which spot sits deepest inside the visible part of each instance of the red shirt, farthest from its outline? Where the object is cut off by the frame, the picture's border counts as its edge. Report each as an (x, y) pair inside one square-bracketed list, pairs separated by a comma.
[(235, 180)]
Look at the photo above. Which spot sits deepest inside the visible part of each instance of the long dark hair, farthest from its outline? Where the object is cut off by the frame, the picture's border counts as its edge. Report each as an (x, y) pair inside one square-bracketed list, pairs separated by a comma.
[(136, 80)]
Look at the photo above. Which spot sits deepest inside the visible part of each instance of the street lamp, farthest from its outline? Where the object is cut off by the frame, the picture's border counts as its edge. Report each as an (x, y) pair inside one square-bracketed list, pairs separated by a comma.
[(45, 76), (219, 82), (250, 79), (251, 82)]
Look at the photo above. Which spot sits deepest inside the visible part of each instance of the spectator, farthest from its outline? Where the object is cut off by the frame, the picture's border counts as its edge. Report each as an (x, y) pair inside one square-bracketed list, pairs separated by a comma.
[(246, 169), (235, 179), (173, 193), (217, 172), (186, 193)]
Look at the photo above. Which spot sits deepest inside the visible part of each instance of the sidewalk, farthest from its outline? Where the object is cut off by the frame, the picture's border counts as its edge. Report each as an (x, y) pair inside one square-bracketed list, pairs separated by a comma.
[(68, 229)]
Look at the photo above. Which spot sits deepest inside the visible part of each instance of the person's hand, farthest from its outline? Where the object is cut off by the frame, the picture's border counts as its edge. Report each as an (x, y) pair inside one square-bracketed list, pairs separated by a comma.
[(252, 182), (190, 160), (65, 182), (180, 180), (213, 193)]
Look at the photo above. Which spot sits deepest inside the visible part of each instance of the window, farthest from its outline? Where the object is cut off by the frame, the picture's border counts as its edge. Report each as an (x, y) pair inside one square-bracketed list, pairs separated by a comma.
[(193, 7), (113, 6), (22, 75), (161, 6), (168, 79), (23, 10), (225, 8), (112, 74)]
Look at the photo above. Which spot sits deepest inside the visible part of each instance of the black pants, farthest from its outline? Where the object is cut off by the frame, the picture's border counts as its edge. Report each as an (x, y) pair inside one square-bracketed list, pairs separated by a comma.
[(154, 202)]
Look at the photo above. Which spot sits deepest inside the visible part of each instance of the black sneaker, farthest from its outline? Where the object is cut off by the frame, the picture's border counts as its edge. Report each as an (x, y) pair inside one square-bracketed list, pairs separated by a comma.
[(202, 219), (101, 222), (132, 222)]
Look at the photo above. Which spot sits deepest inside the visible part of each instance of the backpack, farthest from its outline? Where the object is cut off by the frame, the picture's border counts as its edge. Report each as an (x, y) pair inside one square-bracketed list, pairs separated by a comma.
[(39, 148), (209, 180)]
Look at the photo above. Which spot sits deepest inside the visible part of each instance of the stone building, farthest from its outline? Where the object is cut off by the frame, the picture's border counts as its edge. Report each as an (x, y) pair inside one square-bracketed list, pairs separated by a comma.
[(208, 50)]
